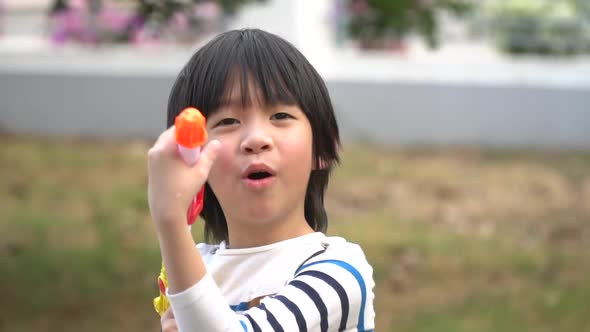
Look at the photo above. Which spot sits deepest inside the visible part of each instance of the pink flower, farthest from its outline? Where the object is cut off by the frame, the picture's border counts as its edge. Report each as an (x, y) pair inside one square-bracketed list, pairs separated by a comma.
[(67, 25), (79, 4), (113, 20), (180, 21), (144, 37), (207, 10), (359, 7)]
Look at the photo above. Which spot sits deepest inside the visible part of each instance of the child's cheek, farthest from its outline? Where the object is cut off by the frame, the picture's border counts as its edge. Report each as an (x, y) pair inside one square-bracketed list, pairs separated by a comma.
[(297, 150)]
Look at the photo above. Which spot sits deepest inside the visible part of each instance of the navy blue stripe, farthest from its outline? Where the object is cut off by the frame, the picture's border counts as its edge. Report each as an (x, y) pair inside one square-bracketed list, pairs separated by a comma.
[(310, 257), (317, 300), (271, 319), (296, 312), (359, 279), (344, 304), (253, 323), (242, 306)]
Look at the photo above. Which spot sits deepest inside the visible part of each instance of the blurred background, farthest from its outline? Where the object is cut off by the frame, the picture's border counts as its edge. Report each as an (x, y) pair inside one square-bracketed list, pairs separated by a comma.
[(465, 168)]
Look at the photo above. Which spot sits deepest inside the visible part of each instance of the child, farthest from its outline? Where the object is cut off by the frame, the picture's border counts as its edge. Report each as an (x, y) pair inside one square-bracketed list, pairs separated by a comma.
[(273, 141)]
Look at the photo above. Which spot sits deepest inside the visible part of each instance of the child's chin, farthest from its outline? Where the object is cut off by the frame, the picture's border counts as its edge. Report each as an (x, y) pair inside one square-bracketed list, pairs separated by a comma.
[(261, 214)]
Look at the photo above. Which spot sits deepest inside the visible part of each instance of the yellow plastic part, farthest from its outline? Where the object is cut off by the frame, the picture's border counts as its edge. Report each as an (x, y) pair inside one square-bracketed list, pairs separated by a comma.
[(161, 303)]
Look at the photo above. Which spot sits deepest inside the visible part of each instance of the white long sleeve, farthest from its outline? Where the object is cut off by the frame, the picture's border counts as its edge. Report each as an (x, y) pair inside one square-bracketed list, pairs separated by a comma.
[(203, 308), (332, 291)]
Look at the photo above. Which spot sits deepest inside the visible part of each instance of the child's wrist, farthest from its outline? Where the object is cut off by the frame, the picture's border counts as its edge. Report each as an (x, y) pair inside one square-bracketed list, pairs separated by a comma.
[(170, 224)]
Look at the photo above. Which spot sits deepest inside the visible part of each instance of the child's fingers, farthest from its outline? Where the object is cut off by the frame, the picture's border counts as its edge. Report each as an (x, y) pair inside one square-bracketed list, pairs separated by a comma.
[(208, 156), (166, 141), (168, 321), (164, 145), (168, 314)]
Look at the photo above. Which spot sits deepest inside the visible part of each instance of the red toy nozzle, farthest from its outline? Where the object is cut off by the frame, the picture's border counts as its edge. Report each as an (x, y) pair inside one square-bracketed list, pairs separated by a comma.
[(191, 131)]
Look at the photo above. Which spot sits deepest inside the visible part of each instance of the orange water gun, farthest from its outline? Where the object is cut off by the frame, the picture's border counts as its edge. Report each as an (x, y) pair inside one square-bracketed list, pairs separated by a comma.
[(190, 134)]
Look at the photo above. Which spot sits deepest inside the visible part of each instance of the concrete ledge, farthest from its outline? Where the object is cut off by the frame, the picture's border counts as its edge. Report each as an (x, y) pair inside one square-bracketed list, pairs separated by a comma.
[(388, 112)]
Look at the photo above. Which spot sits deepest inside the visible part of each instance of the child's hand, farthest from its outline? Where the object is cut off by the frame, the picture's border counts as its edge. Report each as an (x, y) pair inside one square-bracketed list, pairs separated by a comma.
[(171, 183), (168, 321)]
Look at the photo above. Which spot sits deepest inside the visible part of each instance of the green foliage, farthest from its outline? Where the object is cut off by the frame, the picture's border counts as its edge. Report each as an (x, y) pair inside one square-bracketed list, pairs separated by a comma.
[(162, 11), (555, 27), (232, 6), (379, 19)]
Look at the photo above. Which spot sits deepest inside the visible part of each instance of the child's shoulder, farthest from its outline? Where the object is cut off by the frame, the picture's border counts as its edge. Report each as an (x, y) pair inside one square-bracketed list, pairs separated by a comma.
[(330, 250), (339, 247), (338, 251), (343, 270), (207, 250)]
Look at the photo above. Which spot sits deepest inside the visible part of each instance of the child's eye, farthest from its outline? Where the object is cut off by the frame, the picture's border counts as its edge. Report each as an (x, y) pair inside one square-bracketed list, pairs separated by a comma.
[(227, 122), (281, 116)]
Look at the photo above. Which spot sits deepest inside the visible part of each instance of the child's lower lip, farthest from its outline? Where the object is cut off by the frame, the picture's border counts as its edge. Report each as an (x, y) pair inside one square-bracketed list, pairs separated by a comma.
[(260, 183)]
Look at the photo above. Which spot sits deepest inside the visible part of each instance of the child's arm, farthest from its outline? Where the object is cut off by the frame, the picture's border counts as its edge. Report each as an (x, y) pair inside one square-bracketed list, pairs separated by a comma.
[(329, 293), (171, 187)]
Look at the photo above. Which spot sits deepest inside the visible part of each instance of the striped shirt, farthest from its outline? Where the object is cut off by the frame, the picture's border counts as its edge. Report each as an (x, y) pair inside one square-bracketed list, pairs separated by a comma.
[(309, 283)]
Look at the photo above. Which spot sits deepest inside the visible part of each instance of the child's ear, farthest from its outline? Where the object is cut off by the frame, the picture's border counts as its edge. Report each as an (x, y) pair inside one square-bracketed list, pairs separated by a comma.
[(321, 164)]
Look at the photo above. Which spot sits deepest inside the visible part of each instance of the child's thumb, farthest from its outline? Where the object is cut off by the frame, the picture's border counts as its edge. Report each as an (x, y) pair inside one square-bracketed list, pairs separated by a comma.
[(208, 157)]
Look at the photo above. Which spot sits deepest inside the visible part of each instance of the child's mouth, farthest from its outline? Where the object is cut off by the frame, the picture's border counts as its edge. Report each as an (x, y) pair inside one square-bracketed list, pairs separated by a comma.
[(259, 175), (259, 180)]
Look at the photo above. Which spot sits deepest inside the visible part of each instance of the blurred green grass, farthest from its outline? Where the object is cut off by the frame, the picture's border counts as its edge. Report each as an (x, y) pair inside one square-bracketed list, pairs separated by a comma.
[(460, 239)]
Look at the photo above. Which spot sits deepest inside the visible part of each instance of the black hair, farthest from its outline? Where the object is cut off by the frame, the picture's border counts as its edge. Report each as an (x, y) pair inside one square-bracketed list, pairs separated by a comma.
[(282, 75)]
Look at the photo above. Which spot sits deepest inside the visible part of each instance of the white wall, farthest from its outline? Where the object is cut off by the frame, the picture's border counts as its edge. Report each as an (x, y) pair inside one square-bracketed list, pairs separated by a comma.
[(274, 16), (305, 23)]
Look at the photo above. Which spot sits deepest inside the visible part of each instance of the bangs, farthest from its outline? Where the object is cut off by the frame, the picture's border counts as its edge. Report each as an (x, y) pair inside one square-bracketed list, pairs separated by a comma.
[(245, 88), (259, 66)]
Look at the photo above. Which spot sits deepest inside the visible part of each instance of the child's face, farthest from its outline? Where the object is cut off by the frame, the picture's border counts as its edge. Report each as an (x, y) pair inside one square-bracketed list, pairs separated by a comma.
[(261, 174)]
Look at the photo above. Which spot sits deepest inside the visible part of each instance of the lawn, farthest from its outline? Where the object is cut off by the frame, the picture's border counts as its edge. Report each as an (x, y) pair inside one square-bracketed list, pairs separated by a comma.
[(460, 239)]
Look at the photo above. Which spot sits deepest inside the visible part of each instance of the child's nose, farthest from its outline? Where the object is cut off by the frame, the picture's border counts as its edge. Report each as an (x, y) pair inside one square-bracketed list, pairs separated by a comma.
[(256, 142)]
